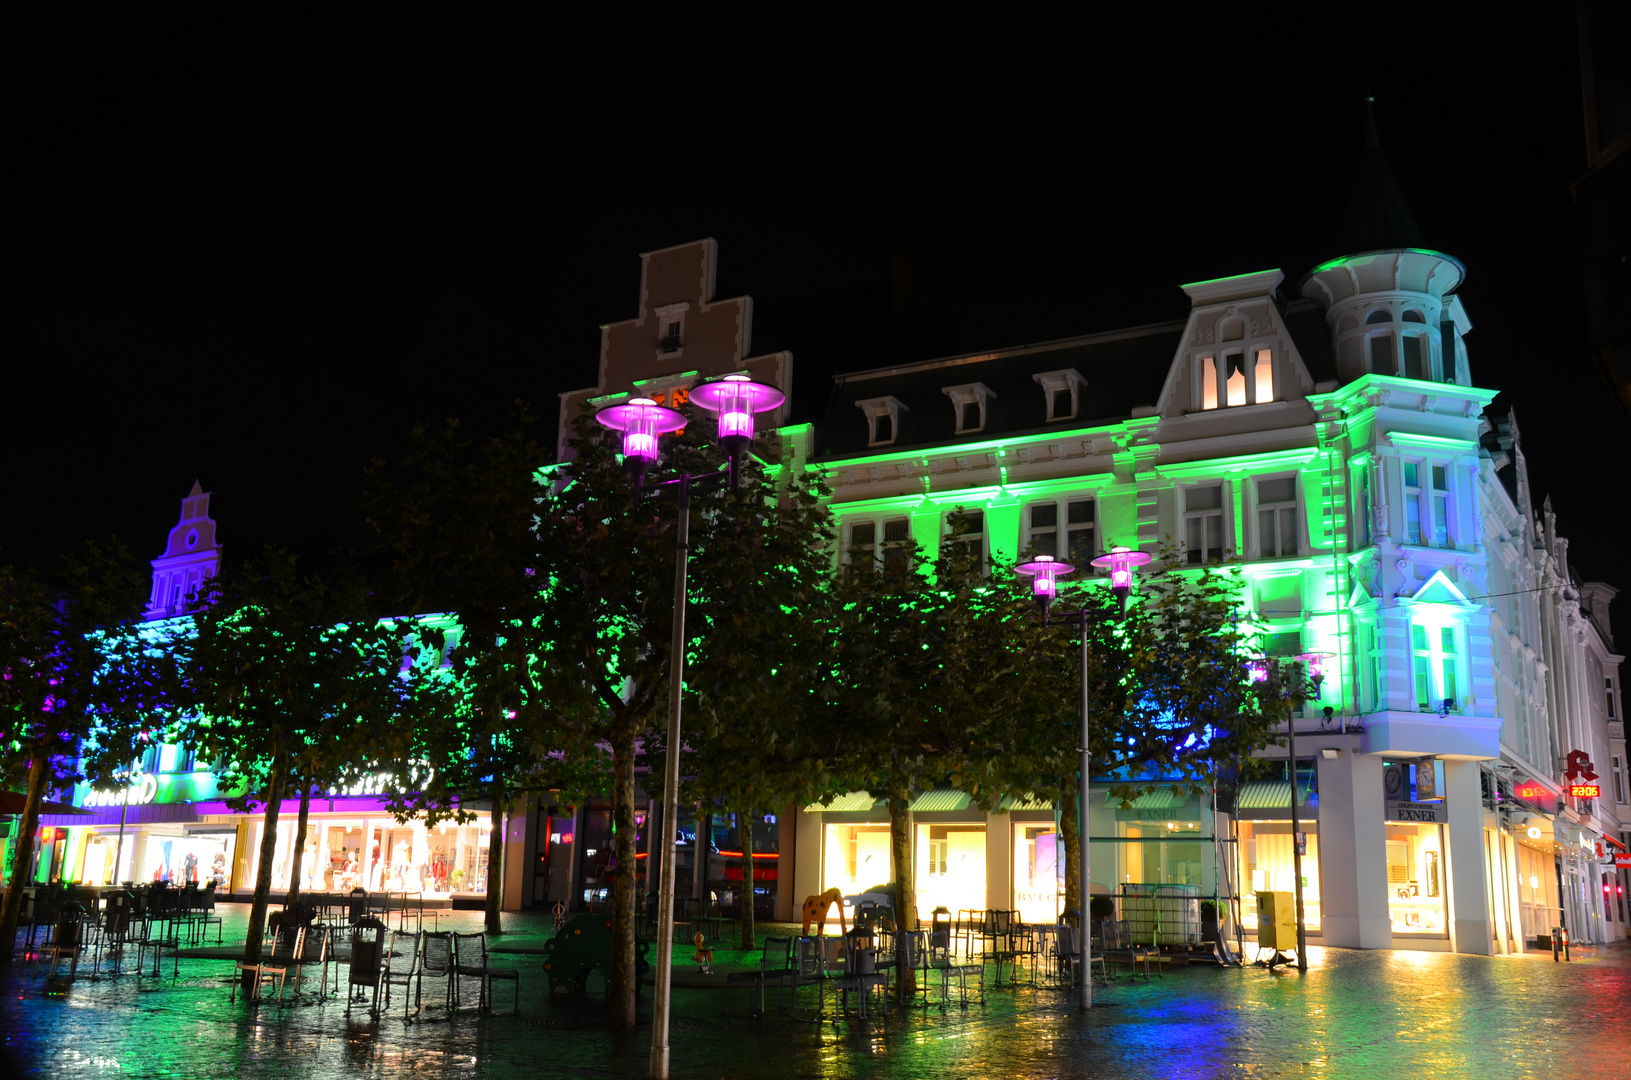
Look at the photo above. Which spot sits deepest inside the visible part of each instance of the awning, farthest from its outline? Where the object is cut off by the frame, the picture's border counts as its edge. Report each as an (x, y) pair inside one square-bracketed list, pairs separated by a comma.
[(1155, 800), (939, 800), (1026, 802), (1273, 797), (851, 803)]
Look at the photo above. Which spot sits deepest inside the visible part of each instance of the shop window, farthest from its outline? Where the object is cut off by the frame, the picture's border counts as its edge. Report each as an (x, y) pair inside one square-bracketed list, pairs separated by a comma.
[(1039, 872), (856, 859), (1203, 524), (950, 868), (1415, 879), (1277, 517), (1267, 862)]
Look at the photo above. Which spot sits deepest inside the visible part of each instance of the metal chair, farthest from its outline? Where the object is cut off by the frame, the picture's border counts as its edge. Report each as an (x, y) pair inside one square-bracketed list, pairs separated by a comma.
[(400, 967), (364, 964), (67, 939), (286, 946), (776, 961), (809, 968), (314, 952), (435, 962), (158, 935), (941, 958), (112, 935), (861, 976), (470, 956)]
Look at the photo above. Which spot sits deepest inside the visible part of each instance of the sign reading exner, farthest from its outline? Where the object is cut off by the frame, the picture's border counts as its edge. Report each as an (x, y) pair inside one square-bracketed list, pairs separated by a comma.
[(1428, 813)]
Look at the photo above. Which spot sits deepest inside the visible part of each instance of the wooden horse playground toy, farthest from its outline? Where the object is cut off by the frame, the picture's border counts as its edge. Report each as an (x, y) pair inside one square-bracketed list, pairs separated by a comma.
[(704, 956)]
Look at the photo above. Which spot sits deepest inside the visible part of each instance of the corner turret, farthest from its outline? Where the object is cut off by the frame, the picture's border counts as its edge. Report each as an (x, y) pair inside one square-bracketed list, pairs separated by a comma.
[(191, 554)]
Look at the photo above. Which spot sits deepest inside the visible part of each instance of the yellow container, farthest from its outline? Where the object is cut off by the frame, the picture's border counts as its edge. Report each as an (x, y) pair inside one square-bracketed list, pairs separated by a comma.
[(1276, 920)]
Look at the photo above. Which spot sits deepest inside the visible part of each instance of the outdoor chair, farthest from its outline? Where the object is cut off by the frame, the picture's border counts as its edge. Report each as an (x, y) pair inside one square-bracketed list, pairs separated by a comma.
[(286, 946), (861, 976), (67, 940), (314, 952), (400, 967), (809, 968), (363, 964), (1135, 954), (470, 961), (775, 962), (942, 959), (112, 935), (158, 935), (207, 916), (998, 940), (435, 962)]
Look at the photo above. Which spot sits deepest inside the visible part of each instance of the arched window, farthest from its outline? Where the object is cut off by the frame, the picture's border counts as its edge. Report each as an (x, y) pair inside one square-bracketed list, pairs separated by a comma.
[(1380, 315), (1414, 316)]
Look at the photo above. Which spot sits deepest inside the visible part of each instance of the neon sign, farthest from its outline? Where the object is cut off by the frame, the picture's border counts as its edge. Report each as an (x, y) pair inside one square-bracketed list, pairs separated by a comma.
[(142, 790), (1530, 789), (1585, 791)]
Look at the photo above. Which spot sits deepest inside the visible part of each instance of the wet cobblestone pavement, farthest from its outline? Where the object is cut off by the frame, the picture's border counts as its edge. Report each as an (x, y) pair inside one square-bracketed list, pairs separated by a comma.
[(1354, 1014)]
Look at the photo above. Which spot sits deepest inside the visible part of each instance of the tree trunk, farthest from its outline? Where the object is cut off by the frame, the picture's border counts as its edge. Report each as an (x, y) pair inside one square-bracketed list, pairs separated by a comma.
[(263, 873), (900, 850), (745, 823), (622, 988), (297, 858), (20, 866), (495, 865), (1071, 848)]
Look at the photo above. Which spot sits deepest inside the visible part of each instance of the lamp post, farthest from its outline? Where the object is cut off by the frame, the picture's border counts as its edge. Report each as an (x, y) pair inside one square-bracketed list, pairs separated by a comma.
[(1044, 571), (1313, 664), (642, 421), (122, 775)]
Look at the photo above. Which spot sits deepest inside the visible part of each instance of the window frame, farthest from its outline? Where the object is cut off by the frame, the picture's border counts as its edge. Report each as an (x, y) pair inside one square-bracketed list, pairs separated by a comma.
[(976, 395), (1211, 365), (1258, 508), (1222, 511), (665, 315), (1438, 660), (876, 408), (981, 536), (1061, 528), (1059, 382)]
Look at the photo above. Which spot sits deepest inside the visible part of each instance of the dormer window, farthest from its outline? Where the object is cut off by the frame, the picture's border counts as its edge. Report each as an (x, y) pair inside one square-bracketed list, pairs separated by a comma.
[(1063, 392), (972, 402), (670, 328), (883, 416), (1236, 378)]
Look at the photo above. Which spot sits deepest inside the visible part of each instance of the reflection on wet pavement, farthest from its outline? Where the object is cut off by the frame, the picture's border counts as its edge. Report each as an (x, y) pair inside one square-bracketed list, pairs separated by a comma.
[(1354, 1014)]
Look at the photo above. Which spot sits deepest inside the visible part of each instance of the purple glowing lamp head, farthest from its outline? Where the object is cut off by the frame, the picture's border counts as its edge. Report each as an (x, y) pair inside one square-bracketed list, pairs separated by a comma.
[(1121, 563), (1042, 571), (1314, 662), (641, 421), (1257, 669), (735, 398)]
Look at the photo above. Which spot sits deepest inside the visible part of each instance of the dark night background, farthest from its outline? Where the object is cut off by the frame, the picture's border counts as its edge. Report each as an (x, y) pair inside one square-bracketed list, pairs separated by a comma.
[(255, 254)]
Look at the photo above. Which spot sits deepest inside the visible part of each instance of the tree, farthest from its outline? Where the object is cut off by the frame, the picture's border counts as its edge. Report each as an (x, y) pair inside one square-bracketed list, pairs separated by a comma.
[(761, 648), (75, 674), (290, 678), (459, 520)]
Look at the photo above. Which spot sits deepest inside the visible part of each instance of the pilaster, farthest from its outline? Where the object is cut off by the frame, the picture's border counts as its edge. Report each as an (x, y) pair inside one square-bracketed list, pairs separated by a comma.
[(1470, 931), (1353, 851)]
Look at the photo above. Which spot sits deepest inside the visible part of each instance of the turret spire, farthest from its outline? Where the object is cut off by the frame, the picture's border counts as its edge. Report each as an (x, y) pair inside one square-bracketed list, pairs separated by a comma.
[(1377, 218)]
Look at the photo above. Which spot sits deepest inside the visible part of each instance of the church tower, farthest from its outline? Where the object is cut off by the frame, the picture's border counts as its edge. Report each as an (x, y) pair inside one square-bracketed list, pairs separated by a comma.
[(190, 555), (1389, 300)]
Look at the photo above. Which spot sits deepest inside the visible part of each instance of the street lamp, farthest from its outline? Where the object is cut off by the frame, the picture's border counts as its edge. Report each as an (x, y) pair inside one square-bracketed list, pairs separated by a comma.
[(122, 776), (1313, 670), (642, 421), (1044, 571)]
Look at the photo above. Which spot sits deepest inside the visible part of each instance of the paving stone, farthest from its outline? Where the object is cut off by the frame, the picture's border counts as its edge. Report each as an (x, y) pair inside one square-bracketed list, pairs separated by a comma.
[(1354, 1014)]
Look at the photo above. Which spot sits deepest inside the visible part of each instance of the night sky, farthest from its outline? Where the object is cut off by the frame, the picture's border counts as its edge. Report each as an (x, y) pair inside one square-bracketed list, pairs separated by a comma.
[(254, 255)]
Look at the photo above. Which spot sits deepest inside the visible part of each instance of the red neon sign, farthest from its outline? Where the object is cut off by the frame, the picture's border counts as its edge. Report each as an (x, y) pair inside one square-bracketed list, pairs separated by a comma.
[(1585, 791), (1530, 789)]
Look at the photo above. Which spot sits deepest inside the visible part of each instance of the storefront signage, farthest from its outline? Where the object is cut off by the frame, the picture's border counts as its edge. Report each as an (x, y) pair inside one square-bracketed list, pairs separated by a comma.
[(1530, 789), (142, 790), (1584, 791), (1622, 858), (1430, 813), (1578, 767)]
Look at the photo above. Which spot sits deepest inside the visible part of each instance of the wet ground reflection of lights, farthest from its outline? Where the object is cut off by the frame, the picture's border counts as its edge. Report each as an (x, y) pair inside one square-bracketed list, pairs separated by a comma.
[(1353, 1014)]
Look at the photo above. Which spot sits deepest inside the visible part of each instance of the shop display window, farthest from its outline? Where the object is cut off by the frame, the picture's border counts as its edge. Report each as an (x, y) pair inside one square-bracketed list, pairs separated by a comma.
[(950, 868), (856, 858), (377, 855), (1039, 872), (1415, 878), (1267, 865), (1176, 860), (187, 860)]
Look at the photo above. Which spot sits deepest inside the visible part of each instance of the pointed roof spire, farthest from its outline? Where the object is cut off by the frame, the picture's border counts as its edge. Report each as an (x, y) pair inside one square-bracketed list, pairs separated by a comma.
[(1377, 218), (197, 489)]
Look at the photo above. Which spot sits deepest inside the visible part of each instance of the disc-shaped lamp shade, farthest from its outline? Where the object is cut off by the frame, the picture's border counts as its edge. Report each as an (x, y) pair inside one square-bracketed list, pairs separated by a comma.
[(1314, 663), (1121, 563), (1257, 669), (1042, 571), (641, 421), (735, 398)]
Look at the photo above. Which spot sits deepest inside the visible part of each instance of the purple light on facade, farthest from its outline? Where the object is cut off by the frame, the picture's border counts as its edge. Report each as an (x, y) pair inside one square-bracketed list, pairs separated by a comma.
[(1043, 570), (1257, 670), (641, 421), (735, 398)]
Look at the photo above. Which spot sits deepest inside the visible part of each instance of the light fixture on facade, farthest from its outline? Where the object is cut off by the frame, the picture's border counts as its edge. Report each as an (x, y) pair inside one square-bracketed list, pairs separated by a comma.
[(1330, 753)]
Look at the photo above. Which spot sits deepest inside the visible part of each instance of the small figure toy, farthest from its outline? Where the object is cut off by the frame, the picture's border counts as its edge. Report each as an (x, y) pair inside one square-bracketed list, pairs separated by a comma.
[(704, 956)]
